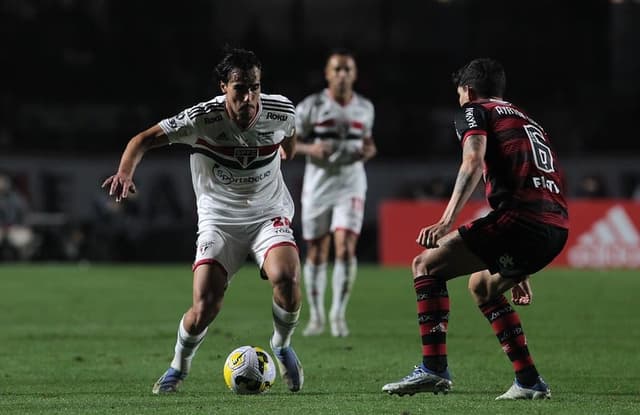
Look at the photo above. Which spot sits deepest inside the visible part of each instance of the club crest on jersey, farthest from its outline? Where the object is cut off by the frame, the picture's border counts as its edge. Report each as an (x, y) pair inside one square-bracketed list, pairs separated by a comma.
[(245, 155)]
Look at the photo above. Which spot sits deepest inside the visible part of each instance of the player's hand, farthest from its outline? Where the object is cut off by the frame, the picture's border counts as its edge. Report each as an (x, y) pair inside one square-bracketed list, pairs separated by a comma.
[(119, 185), (522, 294), (320, 150), (429, 236)]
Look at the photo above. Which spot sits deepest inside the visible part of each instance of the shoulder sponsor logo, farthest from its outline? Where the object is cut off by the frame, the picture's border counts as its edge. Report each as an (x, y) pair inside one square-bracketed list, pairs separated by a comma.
[(469, 117), (612, 241), (212, 120), (274, 116)]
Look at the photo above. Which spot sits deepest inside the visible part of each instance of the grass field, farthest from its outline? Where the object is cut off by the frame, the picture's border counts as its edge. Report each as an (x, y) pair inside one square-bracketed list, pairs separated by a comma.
[(93, 339)]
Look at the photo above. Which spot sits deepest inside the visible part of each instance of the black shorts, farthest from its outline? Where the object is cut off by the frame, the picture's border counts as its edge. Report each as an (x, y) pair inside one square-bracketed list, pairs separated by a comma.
[(512, 245)]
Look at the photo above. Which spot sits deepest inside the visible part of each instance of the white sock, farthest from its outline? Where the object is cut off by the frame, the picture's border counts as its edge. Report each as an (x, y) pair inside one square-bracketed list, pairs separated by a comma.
[(315, 284), (284, 323), (186, 347), (342, 283)]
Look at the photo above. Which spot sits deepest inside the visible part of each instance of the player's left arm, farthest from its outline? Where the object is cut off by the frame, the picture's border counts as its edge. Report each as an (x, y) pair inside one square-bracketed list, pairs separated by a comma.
[(288, 147), (369, 149)]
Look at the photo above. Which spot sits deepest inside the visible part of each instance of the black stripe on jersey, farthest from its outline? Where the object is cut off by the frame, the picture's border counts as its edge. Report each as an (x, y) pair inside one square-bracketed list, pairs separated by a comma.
[(212, 106), (286, 103), (269, 108), (231, 163), (195, 114), (332, 135)]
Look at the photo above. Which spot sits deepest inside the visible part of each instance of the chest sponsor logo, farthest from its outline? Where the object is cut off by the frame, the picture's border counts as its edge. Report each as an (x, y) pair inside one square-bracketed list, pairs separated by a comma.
[(274, 116), (224, 176)]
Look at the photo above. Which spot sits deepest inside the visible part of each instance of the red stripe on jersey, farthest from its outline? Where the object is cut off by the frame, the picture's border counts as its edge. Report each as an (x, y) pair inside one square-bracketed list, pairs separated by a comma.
[(326, 123), (230, 150), (357, 125)]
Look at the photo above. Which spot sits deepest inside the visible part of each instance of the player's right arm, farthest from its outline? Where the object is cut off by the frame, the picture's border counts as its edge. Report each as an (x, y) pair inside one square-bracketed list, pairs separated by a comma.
[(469, 174), (121, 183)]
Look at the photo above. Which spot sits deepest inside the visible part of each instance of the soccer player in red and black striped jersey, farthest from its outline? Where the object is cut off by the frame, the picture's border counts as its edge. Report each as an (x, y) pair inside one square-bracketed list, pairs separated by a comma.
[(526, 229)]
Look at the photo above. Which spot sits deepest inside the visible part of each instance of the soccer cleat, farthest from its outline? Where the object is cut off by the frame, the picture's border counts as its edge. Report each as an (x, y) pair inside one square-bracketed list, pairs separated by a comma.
[(290, 367), (339, 327), (517, 391), (168, 382), (420, 380), (314, 328)]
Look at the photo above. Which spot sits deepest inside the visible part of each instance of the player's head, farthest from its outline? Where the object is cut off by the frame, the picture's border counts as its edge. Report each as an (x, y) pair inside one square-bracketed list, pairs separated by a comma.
[(480, 78), (340, 72), (239, 73)]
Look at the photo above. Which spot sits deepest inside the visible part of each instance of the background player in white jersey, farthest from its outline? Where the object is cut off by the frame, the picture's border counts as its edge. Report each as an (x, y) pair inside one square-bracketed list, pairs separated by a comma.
[(334, 130), (244, 207)]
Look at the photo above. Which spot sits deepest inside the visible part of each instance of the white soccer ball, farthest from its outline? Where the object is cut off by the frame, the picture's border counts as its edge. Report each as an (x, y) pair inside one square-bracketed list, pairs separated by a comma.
[(249, 370)]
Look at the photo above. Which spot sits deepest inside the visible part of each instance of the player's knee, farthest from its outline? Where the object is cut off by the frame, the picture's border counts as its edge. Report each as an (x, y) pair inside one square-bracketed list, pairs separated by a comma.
[(478, 288), (205, 309), (421, 265)]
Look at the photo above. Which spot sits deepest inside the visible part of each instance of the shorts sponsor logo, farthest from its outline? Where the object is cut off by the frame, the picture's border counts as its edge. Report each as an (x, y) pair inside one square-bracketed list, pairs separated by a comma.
[(506, 261), (612, 241)]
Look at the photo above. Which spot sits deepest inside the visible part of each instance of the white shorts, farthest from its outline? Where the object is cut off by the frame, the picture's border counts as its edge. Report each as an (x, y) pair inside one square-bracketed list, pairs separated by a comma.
[(347, 214), (231, 245)]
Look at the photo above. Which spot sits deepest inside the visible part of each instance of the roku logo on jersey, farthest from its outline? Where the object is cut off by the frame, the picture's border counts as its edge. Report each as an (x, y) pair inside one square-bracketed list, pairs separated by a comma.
[(471, 120), (274, 116)]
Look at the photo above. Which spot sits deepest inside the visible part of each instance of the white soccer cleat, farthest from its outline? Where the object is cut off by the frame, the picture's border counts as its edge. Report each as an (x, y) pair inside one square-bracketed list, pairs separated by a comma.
[(314, 328), (420, 380), (339, 327), (538, 391)]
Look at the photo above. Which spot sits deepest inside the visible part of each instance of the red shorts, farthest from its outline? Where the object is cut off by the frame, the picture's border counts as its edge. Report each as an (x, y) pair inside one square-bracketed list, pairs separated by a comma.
[(512, 245)]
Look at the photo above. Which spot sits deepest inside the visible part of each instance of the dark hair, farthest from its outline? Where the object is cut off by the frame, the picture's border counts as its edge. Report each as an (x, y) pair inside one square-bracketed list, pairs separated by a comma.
[(340, 51), (485, 75), (235, 58)]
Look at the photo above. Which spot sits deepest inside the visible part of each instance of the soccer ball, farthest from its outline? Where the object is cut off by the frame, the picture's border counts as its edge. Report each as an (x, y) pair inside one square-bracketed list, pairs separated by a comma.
[(249, 370)]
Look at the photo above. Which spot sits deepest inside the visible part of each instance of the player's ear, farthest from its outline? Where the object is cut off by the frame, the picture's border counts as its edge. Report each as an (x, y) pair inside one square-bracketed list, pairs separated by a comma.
[(223, 87), (471, 93)]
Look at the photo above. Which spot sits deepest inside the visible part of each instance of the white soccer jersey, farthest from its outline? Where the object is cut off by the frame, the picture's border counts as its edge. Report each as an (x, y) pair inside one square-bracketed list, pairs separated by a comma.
[(319, 117), (236, 173)]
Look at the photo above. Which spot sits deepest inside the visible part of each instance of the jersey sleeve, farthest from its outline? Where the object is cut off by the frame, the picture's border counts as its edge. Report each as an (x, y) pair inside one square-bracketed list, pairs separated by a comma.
[(304, 127), (368, 128), (471, 119), (181, 128)]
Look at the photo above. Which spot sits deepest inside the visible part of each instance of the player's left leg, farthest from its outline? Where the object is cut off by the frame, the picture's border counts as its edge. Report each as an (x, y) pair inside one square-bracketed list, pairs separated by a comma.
[(282, 268), (277, 255), (344, 275)]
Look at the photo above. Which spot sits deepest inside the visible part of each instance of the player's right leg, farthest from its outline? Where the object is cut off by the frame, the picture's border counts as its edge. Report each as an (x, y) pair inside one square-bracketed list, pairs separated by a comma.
[(431, 270), (209, 284)]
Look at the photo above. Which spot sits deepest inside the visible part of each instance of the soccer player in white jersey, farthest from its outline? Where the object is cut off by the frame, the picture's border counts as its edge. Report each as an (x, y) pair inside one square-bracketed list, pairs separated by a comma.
[(334, 131), (237, 140)]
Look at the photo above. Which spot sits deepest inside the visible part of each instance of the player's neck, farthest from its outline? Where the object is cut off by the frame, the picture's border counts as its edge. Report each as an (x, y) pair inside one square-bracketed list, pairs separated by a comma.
[(341, 97)]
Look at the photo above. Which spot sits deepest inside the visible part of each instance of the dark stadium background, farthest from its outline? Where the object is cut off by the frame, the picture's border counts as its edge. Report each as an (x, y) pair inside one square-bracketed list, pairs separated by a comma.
[(81, 77)]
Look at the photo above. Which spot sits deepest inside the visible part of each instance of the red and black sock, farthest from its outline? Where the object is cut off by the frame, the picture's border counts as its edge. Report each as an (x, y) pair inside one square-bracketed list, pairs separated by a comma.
[(506, 325), (433, 318)]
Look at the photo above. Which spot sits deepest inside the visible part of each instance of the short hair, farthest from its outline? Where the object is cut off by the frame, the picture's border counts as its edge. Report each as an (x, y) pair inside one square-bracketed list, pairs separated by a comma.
[(236, 58), (340, 51), (485, 75)]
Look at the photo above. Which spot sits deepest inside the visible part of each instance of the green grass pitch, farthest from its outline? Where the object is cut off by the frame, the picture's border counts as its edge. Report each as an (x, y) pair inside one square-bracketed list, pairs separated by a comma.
[(93, 339)]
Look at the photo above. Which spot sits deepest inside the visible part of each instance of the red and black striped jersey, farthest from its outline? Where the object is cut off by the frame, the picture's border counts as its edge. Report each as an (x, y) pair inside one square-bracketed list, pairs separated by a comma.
[(521, 170)]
